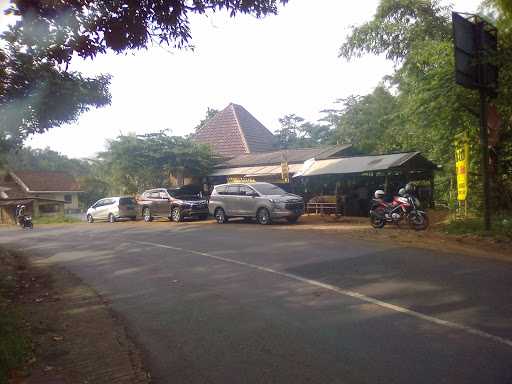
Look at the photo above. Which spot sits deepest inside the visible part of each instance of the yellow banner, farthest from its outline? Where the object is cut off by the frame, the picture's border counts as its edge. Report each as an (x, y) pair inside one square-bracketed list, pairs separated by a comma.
[(462, 166)]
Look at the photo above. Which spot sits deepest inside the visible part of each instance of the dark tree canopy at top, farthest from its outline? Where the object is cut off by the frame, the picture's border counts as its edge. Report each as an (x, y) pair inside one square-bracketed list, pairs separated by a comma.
[(88, 27)]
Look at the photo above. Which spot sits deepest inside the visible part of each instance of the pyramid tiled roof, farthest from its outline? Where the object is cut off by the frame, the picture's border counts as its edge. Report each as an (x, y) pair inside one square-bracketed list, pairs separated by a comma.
[(234, 131)]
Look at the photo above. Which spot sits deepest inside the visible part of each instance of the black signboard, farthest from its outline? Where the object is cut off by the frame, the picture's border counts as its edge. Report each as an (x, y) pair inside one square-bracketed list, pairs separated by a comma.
[(475, 47)]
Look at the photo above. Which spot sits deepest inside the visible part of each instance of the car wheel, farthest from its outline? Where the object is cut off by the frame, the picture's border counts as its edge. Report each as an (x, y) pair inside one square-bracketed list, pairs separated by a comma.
[(176, 215), (263, 216), (90, 220), (147, 215), (220, 216), (111, 218)]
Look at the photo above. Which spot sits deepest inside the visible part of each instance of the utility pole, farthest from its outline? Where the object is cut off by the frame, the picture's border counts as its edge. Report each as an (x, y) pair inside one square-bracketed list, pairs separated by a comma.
[(484, 148)]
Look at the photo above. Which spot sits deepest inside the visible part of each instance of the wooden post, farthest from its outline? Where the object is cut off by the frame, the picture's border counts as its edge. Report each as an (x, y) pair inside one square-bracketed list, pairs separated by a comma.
[(432, 190)]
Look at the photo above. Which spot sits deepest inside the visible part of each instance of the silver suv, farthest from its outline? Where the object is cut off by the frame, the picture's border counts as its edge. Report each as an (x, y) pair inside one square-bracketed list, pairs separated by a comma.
[(263, 201), (112, 209)]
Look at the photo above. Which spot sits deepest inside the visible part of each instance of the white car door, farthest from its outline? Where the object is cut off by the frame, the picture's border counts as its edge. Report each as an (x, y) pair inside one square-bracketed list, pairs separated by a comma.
[(94, 209)]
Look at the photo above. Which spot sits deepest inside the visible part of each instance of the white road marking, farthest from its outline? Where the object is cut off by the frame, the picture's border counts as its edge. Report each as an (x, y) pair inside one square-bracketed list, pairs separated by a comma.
[(353, 294)]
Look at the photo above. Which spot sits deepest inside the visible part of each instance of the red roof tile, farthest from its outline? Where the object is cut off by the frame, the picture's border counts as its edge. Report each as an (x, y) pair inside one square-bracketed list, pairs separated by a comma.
[(234, 131), (46, 181)]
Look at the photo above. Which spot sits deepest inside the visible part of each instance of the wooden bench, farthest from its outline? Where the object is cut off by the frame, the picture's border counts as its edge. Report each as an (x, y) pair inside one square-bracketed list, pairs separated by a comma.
[(321, 208)]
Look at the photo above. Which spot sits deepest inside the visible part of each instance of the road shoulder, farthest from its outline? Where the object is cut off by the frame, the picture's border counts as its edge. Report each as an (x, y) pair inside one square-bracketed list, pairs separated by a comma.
[(75, 337), (431, 239)]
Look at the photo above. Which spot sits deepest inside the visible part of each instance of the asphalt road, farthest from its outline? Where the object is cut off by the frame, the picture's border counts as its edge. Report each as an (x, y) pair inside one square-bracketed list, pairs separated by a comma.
[(243, 303)]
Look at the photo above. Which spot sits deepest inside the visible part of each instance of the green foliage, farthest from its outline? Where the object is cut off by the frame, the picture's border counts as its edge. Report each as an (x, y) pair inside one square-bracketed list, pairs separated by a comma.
[(14, 345), (501, 227), (94, 188), (134, 163), (295, 132), (37, 95), (396, 27), (14, 341), (59, 29), (368, 122), (210, 112), (427, 108), (37, 92), (47, 160), (56, 219)]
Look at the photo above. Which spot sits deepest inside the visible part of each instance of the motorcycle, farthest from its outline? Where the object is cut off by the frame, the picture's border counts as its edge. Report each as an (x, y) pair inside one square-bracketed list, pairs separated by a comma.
[(401, 208), (25, 222)]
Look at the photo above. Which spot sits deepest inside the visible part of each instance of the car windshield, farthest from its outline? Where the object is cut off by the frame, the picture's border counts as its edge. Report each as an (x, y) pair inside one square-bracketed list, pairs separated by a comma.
[(268, 189)]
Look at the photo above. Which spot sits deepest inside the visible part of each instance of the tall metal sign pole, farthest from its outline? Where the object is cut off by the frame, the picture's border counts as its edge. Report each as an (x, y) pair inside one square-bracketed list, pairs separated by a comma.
[(476, 43)]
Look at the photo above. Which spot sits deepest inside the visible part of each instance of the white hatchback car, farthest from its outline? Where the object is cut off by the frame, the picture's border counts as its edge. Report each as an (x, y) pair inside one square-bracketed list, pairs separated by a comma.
[(113, 209)]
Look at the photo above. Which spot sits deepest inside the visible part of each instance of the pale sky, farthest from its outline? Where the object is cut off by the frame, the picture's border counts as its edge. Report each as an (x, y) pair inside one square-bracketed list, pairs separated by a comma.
[(274, 66)]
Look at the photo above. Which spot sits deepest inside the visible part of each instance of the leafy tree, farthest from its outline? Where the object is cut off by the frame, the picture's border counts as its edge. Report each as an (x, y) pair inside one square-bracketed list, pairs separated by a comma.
[(36, 95), (290, 134), (47, 160), (396, 28), (59, 29), (94, 188), (295, 132), (368, 122), (430, 107), (36, 90), (210, 112), (133, 163)]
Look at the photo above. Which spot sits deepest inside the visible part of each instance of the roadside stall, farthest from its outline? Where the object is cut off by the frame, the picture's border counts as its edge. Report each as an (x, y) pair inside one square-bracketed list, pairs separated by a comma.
[(343, 185)]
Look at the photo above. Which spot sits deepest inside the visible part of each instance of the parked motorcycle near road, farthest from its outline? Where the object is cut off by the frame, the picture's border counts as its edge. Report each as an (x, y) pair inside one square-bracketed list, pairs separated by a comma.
[(399, 209), (23, 220)]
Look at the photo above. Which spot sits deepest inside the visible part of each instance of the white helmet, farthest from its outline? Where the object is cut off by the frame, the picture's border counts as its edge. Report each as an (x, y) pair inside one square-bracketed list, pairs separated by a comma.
[(401, 192), (379, 194)]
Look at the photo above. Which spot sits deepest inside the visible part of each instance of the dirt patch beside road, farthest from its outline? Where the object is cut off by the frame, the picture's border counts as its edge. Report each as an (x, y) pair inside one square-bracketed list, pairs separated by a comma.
[(75, 337), (359, 227)]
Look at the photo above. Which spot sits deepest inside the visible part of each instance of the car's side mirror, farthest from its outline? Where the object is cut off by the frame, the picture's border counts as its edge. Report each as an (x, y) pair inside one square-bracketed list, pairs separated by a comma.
[(254, 194)]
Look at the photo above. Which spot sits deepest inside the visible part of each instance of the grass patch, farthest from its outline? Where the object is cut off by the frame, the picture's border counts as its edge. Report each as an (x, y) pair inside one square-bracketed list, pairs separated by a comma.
[(14, 341), (56, 220), (501, 227)]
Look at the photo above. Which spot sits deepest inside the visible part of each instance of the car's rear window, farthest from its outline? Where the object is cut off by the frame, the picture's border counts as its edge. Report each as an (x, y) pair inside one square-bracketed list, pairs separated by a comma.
[(126, 200)]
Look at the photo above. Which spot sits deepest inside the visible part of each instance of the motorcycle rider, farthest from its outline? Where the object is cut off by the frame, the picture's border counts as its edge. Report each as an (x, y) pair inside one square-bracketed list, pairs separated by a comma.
[(22, 219), (20, 214)]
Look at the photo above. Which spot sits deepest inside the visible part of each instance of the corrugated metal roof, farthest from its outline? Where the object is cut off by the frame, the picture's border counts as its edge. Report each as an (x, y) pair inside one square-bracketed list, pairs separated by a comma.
[(255, 171), (292, 155), (344, 165), (359, 164)]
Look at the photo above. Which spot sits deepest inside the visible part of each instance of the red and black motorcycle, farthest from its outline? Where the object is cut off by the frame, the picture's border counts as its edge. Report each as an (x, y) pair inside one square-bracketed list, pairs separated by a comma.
[(397, 210)]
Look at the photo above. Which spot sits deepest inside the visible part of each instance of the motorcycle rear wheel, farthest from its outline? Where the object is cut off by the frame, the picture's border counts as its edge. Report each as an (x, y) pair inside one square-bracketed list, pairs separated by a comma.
[(377, 221), (419, 221)]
